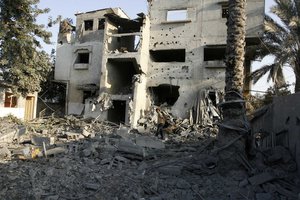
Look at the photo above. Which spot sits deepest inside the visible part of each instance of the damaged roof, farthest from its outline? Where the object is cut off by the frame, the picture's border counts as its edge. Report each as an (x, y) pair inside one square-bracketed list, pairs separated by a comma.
[(112, 10), (127, 24)]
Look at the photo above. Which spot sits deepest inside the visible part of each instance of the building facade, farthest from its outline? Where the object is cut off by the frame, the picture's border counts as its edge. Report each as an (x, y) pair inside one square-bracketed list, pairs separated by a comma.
[(117, 68), (24, 108)]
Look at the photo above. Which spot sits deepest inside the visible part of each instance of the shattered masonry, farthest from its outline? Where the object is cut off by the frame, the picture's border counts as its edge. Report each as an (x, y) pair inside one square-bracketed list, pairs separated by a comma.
[(166, 58)]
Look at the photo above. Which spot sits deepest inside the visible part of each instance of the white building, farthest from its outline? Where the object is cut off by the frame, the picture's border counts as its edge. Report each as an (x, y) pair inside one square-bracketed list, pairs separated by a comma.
[(18, 106)]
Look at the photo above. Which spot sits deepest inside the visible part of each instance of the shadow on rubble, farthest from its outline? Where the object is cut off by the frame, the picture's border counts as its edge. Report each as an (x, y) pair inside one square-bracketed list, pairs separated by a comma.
[(74, 158)]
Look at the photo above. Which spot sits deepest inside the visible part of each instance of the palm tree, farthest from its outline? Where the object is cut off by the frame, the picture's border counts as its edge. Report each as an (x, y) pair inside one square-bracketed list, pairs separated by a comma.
[(234, 126), (233, 109), (281, 40)]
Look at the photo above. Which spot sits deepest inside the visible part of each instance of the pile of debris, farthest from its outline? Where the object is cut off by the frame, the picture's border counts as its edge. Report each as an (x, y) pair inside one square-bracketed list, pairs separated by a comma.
[(177, 128), (73, 158)]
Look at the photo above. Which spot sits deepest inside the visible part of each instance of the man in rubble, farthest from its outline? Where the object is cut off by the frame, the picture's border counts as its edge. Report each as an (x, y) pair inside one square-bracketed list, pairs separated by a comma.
[(161, 124)]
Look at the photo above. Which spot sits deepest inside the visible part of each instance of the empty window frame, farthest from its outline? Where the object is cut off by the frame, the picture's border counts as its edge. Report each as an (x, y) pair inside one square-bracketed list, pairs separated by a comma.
[(10, 100), (101, 24), (88, 25), (170, 55), (83, 58), (214, 53), (177, 15), (164, 93), (225, 12)]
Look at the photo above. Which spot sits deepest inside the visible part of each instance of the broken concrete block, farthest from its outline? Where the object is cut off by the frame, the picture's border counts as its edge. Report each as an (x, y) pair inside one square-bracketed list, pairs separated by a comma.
[(38, 140), (55, 151), (91, 186), (131, 148), (44, 132), (146, 141), (121, 159), (261, 178), (73, 136), (21, 130), (123, 132), (8, 136), (86, 133), (26, 152), (5, 153), (105, 161)]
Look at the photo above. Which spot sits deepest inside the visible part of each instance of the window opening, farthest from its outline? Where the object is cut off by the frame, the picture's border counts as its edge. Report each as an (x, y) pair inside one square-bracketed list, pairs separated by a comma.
[(177, 15), (83, 58), (10, 100), (165, 93), (88, 25), (170, 55), (214, 53), (101, 24)]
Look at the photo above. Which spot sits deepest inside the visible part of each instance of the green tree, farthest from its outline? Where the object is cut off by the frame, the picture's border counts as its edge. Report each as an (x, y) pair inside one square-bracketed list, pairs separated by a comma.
[(50, 90), (281, 40), (23, 63)]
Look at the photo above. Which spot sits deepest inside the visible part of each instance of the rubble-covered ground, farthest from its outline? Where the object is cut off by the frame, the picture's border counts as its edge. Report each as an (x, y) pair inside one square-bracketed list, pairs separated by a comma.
[(71, 158)]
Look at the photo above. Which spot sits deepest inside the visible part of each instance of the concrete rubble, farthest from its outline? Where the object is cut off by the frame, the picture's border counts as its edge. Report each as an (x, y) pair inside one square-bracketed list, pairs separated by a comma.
[(75, 158)]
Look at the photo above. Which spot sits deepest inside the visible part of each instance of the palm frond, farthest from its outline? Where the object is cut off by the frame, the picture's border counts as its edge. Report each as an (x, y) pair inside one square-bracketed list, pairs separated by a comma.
[(259, 73)]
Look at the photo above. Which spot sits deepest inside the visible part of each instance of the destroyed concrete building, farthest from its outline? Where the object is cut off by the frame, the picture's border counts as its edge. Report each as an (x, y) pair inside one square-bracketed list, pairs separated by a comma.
[(117, 68)]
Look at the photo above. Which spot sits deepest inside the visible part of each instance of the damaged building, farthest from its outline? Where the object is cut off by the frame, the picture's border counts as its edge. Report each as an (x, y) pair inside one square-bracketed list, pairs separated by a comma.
[(116, 68)]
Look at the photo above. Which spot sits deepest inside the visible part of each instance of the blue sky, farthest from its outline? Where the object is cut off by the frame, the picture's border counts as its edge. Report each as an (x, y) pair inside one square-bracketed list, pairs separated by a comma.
[(67, 9)]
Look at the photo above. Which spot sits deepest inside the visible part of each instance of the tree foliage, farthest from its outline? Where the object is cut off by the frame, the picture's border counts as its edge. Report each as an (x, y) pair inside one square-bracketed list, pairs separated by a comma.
[(23, 63), (281, 40), (52, 91), (259, 100)]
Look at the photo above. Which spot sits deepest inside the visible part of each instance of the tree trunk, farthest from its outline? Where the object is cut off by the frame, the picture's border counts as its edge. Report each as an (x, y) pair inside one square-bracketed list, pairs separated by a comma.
[(235, 56), (234, 122)]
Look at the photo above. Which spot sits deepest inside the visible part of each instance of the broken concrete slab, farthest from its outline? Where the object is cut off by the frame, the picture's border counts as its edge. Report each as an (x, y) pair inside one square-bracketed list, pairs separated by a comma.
[(21, 130), (5, 153), (123, 132), (55, 151), (91, 186), (39, 140), (146, 141), (121, 159), (73, 135), (261, 178), (86, 133), (8, 136), (131, 148)]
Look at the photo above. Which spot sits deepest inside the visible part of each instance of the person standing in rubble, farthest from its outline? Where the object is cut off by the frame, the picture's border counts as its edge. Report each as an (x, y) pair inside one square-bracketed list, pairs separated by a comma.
[(161, 123)]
